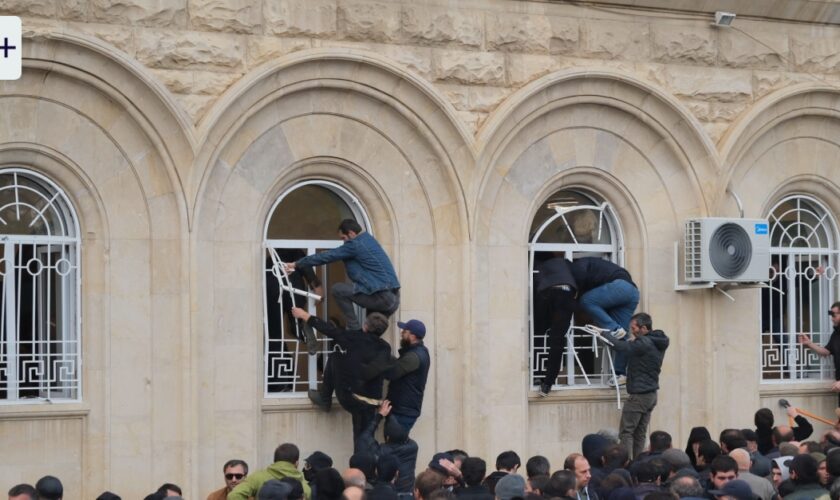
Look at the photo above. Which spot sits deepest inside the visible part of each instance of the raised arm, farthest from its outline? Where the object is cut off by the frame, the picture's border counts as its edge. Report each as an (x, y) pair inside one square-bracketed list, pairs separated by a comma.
[(805, 340)]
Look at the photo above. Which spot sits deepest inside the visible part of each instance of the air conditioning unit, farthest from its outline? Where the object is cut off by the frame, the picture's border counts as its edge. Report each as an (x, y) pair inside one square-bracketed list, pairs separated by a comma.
[(727, 250)]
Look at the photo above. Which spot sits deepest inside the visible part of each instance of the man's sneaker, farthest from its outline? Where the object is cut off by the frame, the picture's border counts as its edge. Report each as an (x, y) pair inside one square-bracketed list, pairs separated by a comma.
[(617, 380), (310, 340), (316, 398), (545, 388), (619, 333)]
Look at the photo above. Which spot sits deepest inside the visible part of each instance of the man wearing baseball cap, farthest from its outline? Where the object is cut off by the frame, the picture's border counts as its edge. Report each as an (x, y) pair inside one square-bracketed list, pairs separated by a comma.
[(408, 376)]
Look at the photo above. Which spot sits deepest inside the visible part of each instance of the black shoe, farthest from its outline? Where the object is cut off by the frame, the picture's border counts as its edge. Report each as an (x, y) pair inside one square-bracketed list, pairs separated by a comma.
[(316, 398), (545, 388), (310, 340)]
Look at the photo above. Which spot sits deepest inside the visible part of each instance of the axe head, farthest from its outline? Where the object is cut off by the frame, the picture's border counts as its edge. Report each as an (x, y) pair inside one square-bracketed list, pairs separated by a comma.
[(784, 403)]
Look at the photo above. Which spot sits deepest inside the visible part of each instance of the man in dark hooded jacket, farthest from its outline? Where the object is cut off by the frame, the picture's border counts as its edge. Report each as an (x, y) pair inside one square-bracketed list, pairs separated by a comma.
[(397, 443), (645, 352)]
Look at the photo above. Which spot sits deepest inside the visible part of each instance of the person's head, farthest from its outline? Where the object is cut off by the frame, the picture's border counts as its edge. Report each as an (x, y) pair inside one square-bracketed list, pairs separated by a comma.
[(537, 466), (510, 487), (782, 434), (751, 438), (23, 492), (508, 461), (646, 472), (832, 462), (411, 332), (660, 495), (107, 495), (353, 477), (366, 463), (458, 456), (695, 437), (287, 452), (736, 489), (834, 491), (348, 229), (375, 323), (742, 458), (641, 324), (764, 418), (822, 473), (426, 482), (788, 449), (707, 452), (387, 466), (592, 447), (834, 312), (234, 471), (686, 486), (296, 492), (723, 469), (803, 470), (329, 484), (275, 489), (731, 439), (442, 494), (676, 459), (779, 470), (49, 488), (659, 441), (578, 464), (170, 490), (562, 484), (615, 457), (613, 481), (318, 460), (394, 431), (353, 493), (537, 484), (473, 469)]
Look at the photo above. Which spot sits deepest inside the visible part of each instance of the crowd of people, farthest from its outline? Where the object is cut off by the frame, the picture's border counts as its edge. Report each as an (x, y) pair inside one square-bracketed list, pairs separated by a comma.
[(769, 462)]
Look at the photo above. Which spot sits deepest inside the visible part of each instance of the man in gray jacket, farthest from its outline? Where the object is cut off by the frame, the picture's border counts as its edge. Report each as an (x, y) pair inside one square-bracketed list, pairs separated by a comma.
[(645, 352)]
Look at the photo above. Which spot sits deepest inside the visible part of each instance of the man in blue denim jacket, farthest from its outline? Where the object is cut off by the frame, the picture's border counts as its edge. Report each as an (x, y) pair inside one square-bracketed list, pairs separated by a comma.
[(375, 285)]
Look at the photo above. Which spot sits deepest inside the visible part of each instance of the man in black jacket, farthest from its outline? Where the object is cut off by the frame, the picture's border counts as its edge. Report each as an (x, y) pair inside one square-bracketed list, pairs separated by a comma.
[(409, 374), (555, 304), (832, 348), (351, 373), (645, 352), (397, 443)]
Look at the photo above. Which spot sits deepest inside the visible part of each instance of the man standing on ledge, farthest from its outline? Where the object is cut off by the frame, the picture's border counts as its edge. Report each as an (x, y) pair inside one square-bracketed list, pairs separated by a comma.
[(408, 376), (375, 285), (645, 352), (832, 348)]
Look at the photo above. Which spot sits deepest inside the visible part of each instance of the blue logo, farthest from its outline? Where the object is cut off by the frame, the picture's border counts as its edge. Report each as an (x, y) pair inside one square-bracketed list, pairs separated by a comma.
[(761, 228)]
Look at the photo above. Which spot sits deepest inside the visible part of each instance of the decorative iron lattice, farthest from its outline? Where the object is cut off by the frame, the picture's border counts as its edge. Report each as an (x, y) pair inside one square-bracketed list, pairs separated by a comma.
[(40, 351), (804, 260), (574, 224)]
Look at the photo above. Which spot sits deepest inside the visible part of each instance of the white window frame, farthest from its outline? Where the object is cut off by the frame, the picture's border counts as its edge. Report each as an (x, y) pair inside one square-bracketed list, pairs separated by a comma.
[(66, 367), (310, 246), (615, 252), (783, 359)]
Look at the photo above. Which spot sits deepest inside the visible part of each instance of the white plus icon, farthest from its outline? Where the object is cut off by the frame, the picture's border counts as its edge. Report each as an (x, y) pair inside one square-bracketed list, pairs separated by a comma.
[(10, 49)]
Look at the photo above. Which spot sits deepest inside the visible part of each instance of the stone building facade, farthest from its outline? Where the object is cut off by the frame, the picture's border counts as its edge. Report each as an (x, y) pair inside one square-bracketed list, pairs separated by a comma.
[(175, 129)]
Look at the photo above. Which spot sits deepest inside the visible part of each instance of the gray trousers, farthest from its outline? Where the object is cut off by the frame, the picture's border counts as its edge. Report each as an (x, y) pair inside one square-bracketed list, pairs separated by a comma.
[(383, 301), (635, 417)]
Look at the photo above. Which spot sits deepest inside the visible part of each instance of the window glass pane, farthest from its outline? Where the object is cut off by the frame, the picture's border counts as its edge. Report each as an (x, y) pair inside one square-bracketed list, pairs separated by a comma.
[(310, 212)]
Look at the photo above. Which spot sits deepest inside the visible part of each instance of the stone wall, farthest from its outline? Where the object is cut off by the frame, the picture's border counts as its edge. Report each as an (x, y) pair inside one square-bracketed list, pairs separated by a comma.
[(477, 53)]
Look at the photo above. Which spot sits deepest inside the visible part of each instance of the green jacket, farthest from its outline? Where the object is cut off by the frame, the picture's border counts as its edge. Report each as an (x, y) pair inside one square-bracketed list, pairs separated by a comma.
[(249, 487)]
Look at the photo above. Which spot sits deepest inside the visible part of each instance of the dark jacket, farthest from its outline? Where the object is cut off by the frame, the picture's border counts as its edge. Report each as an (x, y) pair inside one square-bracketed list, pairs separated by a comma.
[(592, 272), (477, 492), (405, 391), (764, 436), (361, 349), (368, 266), (554, 272), (644, 361), (399, 445)]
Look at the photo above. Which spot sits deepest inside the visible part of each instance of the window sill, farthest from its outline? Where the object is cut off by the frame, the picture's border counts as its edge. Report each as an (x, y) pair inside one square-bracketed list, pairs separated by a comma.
[(575, 395), (290, 403), (43, 410), (809, 388)]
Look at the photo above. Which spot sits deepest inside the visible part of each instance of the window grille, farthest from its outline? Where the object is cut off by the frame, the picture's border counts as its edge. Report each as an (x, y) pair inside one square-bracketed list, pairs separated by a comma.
[(579, 225), (803, 274), (303, 221), (40, 350)]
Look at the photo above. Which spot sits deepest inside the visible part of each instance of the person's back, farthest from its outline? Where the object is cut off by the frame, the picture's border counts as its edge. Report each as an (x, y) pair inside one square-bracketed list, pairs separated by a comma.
[(286, 457), (645, 362), (473, 470), (591, 272)]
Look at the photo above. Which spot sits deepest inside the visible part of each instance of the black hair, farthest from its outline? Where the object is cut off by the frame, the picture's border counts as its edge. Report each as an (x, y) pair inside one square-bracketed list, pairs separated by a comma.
[(709, 450), (287, 452), (560, 483), (537, 466), (646, 472), (24, 489), (764, 418), (473, 469), (297, 488), (615, 457), (507, 460), (733, 439), (659, 441), (235, 462), (805, 467), (348, 225), (387, 467), (643, 320), (376, 323), (723, 463)]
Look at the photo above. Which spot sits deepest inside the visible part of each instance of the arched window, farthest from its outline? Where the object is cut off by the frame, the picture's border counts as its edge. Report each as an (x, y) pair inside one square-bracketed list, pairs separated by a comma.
[(804, 267), (39, 270), (303, 221), (578, 224)]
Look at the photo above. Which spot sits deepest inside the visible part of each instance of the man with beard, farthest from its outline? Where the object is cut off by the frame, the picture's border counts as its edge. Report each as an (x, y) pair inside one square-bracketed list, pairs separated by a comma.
[(832, 348), (408, 376)]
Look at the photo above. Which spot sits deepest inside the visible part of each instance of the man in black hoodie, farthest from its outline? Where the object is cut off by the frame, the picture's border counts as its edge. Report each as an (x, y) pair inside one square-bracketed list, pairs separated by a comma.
[(645, 352), (397, 443)]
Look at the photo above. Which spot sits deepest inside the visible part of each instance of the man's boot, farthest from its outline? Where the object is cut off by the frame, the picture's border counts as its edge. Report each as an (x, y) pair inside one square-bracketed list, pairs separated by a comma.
[(318, 400)]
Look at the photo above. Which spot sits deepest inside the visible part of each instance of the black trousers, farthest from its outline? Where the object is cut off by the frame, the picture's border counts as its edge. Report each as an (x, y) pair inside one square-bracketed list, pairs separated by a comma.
[(558, 305), (361, 413)]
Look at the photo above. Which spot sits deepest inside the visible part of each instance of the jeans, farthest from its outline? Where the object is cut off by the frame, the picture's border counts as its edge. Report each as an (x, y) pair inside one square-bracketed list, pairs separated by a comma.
[(405, 421), (611, 306), (383, 301), (635, 417)]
